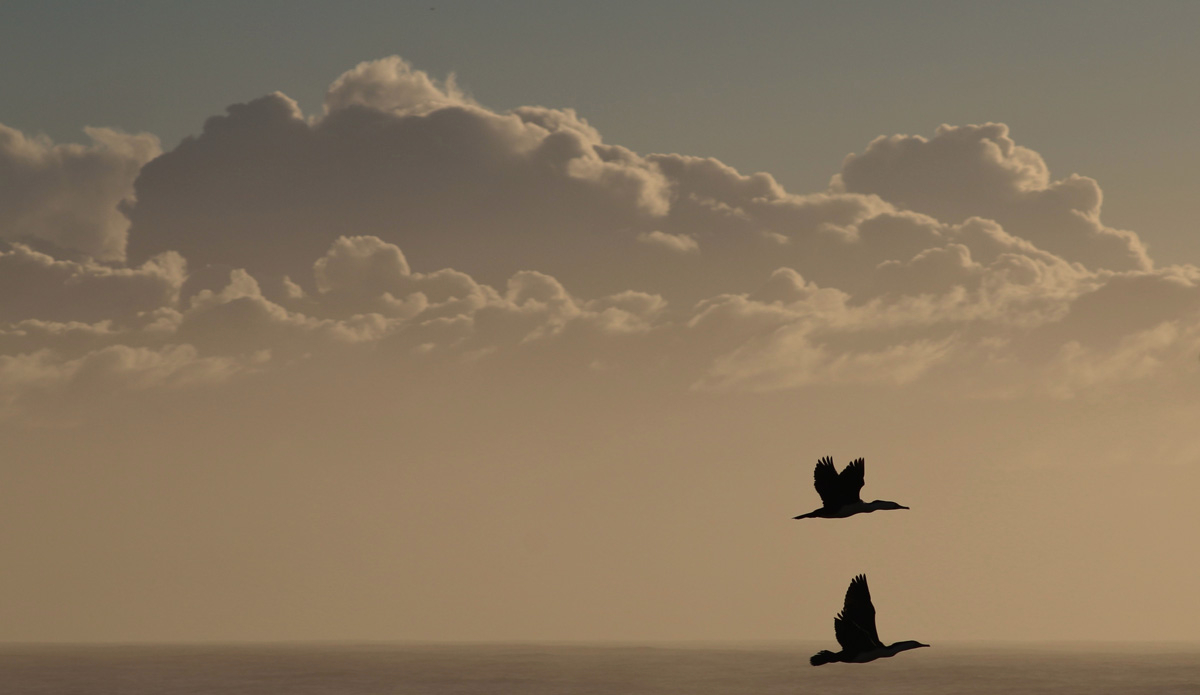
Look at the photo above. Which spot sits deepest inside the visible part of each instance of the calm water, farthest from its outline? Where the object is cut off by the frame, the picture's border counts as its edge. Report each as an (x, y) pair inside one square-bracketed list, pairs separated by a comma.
[(540, 670)]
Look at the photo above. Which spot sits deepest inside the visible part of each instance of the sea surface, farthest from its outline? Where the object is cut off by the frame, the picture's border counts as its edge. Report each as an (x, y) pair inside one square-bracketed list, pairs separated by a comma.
[(589, 670)]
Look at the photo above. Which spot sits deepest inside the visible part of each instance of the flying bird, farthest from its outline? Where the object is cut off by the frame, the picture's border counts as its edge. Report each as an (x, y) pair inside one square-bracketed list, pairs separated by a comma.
[(854, 628), (839, 491)]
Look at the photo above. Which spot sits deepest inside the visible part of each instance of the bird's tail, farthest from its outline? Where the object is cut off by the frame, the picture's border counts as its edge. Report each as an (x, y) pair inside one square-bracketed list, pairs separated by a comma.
[(823, 657)]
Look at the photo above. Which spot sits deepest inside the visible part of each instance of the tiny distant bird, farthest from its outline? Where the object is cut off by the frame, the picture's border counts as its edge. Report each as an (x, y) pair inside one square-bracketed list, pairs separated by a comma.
[(839, 492), (854, 628)]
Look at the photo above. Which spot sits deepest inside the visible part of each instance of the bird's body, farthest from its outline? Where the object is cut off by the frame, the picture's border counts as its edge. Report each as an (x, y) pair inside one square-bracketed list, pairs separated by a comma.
[(851, 509), (855, 630), (840, 491), (864, 657)]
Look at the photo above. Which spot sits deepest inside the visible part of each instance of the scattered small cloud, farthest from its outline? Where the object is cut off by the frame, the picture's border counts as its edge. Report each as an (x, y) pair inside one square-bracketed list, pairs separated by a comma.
[(679, 243)]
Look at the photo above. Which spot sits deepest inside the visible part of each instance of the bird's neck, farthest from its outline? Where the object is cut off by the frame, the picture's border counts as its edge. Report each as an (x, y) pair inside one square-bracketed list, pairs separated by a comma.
[(893, 649), (881, 504)]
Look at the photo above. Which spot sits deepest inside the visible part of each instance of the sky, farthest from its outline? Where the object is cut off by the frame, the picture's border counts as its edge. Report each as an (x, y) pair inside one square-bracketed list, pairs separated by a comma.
[(528, 321)]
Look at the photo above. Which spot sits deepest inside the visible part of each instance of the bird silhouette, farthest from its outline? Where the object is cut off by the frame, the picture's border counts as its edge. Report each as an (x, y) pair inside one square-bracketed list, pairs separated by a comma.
[(854, 628), (839, 491)]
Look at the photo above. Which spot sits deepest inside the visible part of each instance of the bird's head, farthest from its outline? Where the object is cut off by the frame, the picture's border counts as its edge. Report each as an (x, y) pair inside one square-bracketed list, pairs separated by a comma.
[(884, 504), (908, 644)]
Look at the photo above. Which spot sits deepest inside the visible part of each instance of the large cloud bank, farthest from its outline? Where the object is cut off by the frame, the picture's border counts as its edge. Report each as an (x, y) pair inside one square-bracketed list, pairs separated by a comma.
[(408, 221)]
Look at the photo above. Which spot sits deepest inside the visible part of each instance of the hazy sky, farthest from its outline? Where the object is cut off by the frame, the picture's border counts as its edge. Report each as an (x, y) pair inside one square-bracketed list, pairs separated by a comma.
[(529, 320)]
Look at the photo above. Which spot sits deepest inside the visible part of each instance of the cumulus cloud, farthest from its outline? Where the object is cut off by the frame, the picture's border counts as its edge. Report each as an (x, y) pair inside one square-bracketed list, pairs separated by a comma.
[(451, 183), (409, 220), (979, 171), (68, 194), (392, 84), (37, 286), (679, 243)]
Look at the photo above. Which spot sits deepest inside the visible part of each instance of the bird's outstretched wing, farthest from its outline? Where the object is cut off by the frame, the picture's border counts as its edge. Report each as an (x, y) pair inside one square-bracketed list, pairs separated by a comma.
[(850, 481), (854, 627), (828, 483)]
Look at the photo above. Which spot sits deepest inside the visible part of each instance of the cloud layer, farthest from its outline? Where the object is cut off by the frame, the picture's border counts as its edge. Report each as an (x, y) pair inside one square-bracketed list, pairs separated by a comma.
[(408, 221)]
